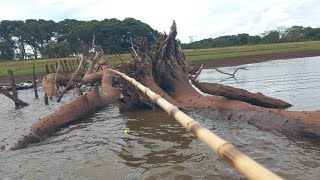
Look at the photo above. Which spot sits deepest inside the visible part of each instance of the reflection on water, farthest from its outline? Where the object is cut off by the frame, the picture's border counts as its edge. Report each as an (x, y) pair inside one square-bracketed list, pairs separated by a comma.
[(156, 147)]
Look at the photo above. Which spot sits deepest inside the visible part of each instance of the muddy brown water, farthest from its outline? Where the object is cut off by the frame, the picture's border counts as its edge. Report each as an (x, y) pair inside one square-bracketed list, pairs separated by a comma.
[(157, 147)]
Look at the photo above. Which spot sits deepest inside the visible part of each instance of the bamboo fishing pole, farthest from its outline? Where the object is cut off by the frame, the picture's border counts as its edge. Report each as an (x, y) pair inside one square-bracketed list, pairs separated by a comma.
[(226, 151)]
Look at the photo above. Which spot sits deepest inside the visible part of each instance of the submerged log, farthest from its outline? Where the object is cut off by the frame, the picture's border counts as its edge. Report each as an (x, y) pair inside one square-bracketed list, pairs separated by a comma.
[(240, 94), (74, 110)]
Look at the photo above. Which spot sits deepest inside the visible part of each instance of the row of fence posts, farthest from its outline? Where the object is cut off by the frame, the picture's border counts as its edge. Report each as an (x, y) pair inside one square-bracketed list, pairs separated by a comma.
[(66, 65)]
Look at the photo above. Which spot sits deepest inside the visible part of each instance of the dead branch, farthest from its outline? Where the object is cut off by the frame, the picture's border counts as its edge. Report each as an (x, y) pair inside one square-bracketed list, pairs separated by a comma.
[(71, 80), (197, 72), (54, 81), (132, 47), (233, 74), (16, 100), (240, 94)]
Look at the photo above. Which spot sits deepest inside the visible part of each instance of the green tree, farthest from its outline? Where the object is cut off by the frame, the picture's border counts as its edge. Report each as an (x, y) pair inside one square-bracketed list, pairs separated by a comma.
[(6, 50), (272, 36)]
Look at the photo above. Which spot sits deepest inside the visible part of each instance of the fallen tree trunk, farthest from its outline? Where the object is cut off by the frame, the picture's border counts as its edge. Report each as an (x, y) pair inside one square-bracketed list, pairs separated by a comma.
[(167, 69), (74, 110), (240, 94)]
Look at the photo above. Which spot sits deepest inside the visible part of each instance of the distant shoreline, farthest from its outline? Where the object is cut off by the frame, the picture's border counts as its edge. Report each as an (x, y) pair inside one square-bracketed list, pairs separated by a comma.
[(210, 63), (235, 61)]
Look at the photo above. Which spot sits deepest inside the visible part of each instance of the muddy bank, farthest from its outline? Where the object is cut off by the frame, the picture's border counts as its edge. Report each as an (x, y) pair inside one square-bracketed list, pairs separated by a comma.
[(252, 59)]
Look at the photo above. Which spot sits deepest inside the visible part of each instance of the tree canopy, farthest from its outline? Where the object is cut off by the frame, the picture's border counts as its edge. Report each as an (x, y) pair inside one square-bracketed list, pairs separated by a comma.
[(48, 39)]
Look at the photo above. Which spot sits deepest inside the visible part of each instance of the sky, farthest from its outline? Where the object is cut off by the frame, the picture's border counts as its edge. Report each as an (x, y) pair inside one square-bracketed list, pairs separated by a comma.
[(195, 20)]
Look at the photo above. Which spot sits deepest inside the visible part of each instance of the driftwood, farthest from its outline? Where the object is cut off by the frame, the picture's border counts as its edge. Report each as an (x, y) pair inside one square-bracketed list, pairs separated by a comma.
[(83, 105), (233, 74), (71, 80), (49, 82), (240, 94), (166, 72), (237, 94), (77, 91), (18, 102)]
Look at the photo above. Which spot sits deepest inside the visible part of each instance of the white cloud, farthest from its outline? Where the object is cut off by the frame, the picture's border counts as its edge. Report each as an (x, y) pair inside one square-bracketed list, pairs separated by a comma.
[(200, 19)]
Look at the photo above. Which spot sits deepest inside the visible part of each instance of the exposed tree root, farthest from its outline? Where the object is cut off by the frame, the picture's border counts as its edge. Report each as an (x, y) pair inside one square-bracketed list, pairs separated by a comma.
[(165, 71), (240, 94), (168, 70)]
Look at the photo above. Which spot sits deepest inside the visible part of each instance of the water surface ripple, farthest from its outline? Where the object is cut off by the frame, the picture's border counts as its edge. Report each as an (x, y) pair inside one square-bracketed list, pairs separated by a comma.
[(157, 147)]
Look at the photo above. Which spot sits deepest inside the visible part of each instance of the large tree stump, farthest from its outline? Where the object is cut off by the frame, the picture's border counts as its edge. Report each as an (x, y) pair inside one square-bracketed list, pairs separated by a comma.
[(165, 69)]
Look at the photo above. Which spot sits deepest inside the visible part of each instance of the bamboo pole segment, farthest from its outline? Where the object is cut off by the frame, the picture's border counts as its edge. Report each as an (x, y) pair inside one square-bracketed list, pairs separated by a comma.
[(34, 81), (71, 80), (226, 151)]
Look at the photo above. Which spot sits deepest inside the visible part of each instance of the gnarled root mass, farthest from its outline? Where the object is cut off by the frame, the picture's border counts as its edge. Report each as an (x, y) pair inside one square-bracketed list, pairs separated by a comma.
[(165, 71), (163, 68)]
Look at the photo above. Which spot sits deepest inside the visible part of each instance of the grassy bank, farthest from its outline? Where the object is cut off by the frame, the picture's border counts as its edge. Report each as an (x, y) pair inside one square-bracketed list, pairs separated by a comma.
[(25, 67), (240, 51)]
